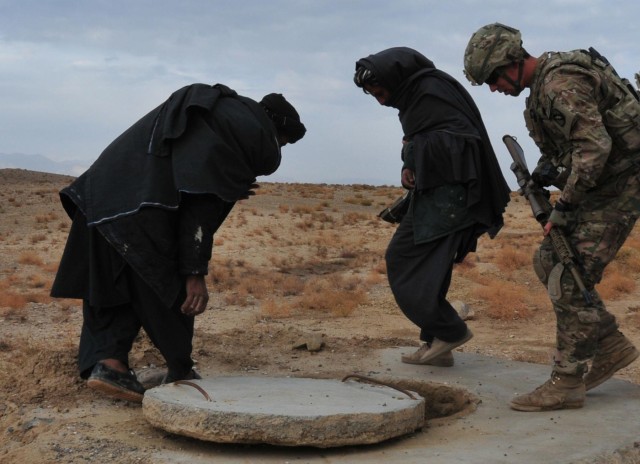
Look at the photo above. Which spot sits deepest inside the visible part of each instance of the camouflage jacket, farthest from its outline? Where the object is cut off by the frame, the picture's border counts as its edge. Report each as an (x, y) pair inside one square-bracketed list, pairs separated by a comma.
[(585, 120)]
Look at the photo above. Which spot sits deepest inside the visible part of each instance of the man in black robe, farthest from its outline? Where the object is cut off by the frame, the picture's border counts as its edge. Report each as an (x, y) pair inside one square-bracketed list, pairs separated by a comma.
[(459, 192), (144, 215)]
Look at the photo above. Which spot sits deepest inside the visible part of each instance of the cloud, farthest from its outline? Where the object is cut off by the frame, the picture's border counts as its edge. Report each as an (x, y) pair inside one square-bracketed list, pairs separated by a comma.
[(76, 74)]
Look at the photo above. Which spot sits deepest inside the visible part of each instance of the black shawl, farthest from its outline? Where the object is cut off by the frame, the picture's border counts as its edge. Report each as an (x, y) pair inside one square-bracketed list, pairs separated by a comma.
[(433, 106), (203, 139)]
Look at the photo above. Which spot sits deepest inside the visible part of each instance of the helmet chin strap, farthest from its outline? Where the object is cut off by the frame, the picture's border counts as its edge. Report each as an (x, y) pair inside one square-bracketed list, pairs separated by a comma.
[(517, 84)]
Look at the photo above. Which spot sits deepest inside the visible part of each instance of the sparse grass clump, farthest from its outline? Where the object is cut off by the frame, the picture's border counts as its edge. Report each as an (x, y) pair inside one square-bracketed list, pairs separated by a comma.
[(37, 238), (30, 258), (334, 294), (615, 284), (511, 259), (290, 286), (354, 218), (12, 300), (504, 300), (275, 309), (9, 297), (629, 256)]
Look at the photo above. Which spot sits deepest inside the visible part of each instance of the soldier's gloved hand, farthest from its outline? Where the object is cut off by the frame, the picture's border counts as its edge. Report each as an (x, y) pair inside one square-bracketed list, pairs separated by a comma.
[(563, 215), (544, 174)]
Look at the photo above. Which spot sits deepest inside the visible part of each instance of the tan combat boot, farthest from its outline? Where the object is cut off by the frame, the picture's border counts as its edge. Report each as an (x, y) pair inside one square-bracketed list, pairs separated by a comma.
[(614, 352), (561, 391), (443, 360)]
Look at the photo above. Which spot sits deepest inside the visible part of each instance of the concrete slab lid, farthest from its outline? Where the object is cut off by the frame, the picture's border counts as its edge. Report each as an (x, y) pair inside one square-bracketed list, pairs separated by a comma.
[(283, 411)]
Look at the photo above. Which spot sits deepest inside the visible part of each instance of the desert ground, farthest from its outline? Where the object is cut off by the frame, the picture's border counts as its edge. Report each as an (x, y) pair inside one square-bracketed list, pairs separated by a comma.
[(294, 263)]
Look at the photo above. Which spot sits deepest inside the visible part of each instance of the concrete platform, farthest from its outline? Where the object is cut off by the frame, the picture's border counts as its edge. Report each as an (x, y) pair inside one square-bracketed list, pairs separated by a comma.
[(284, 411), (493, 434)]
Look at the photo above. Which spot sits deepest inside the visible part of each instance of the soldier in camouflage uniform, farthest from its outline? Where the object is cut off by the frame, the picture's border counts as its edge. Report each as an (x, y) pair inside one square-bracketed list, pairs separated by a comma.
[(586, 121)]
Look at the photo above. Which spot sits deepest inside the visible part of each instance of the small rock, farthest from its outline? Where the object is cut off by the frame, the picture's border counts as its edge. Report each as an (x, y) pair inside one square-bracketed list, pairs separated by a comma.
[(312, 342), (464, 311)]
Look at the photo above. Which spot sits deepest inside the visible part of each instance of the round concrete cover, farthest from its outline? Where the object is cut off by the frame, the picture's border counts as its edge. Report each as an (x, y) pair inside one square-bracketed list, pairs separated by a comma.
[(283, 411)]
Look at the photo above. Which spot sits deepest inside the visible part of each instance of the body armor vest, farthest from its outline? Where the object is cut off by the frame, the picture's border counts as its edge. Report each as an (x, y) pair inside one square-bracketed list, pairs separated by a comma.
[(618, 104)]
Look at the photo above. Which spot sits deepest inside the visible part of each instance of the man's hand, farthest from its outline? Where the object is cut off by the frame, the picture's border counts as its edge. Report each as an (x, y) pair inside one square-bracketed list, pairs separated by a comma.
[(197, 296), (250, 192), (408, 179)]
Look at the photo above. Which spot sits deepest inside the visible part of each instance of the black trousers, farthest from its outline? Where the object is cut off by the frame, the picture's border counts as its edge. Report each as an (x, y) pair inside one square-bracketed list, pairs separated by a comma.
[(109, 332), (420, 275)]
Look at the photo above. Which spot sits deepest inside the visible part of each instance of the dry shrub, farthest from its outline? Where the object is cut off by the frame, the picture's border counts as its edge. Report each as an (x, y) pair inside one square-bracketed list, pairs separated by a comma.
[(633, 241), (306, 224), (380, 267), (38, 298), (37, 238), (634, 316), (241, 219), (474, 273), (255, 285), (629, 258), (322, 218), (222, 277), (504, 300), (237, 298), (291, 285), (30, 257), (37, 281), (615, 284), (12, 300), (258, 231), (270, 308), (302, 209), (324, 239), (465, 265), (44, 218), (50, 267), (349, 219), (348, 254), (334, 294), (374, 278), (511, 259), (354, 200)]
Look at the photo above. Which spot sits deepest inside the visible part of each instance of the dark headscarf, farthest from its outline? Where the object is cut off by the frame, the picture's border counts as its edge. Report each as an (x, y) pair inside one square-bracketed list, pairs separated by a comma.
[(433, 106), (284, 116)]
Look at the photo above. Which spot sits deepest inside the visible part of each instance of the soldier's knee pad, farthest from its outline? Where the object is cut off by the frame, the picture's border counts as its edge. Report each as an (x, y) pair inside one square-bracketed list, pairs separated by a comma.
[(542, 264), (560, 285)]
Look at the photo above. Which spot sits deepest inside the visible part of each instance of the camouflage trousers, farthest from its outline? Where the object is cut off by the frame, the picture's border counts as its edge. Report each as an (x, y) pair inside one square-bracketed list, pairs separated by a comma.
[(602, 224)]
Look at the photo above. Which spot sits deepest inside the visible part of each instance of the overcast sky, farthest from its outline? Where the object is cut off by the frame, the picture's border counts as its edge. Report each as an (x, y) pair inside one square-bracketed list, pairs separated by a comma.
[(75, 74)]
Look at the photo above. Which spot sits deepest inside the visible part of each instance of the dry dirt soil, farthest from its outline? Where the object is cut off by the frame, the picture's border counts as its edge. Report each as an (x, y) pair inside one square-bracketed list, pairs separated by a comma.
[(293, 262)]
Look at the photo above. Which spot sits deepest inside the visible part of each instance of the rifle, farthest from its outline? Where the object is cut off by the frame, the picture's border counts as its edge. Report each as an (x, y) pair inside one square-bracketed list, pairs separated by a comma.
[(541, 208), (397, 210)]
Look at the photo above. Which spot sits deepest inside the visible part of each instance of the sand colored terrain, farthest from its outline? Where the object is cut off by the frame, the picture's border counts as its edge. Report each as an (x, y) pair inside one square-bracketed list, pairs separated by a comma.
[(294, 263)]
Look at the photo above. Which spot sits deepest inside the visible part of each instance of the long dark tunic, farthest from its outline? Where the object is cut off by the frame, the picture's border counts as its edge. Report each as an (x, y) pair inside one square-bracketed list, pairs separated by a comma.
[(451, 146)]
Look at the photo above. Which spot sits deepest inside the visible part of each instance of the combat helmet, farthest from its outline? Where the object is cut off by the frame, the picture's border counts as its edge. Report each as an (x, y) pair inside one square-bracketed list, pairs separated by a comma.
[(489, 48)]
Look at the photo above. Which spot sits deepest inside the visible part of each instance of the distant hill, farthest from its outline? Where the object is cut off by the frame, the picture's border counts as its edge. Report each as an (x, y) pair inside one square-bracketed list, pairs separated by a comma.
[(15, 176), (42, 164)]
